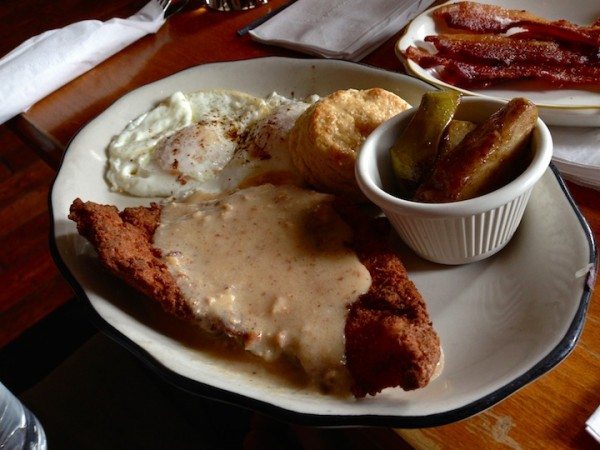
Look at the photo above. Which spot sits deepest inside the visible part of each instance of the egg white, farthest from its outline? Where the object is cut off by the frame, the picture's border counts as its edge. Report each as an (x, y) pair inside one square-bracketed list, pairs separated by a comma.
[(264, 151), (181, 143), (210, 141)]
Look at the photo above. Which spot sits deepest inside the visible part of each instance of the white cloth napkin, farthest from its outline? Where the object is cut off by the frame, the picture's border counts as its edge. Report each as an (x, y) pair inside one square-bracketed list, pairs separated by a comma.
[(46, 62), (343, 29), (577, 154)]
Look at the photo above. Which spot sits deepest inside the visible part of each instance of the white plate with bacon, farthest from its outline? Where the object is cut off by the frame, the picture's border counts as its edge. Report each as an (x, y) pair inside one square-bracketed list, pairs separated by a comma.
[(546, 51)]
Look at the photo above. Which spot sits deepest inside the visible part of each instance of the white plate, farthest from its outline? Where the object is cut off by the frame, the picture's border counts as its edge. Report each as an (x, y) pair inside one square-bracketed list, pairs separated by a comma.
[(503, 322), (568, 107)]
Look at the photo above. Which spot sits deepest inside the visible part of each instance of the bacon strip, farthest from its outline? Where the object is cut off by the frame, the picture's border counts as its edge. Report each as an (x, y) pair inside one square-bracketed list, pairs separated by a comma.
[(483, 18), (467, 74), (503, 50)]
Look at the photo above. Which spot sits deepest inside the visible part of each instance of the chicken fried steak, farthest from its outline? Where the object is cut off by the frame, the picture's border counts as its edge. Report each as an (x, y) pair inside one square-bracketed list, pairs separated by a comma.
[(389, 340)]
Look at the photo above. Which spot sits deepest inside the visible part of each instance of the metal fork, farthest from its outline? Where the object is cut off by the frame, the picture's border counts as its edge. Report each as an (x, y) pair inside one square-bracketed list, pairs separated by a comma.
[(164, 5), (170, 7)]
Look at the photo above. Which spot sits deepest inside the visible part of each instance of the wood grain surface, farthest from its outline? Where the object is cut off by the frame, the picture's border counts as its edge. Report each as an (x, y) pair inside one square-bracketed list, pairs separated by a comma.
[(548, 413)]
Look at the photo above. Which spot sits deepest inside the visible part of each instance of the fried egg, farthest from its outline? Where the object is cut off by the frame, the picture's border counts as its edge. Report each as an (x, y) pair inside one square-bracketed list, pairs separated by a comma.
[(211, 141)]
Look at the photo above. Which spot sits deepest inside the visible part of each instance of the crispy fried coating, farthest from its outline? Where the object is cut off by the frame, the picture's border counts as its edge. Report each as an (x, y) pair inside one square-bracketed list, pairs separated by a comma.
[(390, 340), (122, 241)]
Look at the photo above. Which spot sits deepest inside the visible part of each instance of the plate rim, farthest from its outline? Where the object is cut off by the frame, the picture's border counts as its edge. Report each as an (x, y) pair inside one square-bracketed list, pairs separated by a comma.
[(564, 347)]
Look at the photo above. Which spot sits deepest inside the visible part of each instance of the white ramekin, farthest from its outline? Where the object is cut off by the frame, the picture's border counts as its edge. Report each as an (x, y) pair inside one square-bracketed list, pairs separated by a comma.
[(458, 232)]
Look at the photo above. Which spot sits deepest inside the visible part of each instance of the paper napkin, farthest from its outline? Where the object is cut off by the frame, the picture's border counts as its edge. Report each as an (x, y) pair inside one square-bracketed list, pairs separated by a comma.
[(343, 29), (577, 154), (46, 62)]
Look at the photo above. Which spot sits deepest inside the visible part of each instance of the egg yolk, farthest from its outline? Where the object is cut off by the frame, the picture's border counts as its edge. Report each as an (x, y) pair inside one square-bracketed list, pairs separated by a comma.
[(197, 151)]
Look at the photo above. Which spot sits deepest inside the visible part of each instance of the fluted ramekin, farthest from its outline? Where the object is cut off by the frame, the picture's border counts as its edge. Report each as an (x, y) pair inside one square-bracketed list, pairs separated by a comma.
[(458, 232)]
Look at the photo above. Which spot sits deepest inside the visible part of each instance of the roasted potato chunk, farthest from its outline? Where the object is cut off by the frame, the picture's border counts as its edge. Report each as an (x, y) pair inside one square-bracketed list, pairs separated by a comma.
[(487, 158)]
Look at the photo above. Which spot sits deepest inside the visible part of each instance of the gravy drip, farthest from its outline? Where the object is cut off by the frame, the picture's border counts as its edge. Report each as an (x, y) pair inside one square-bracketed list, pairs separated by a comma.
[(271, 263)]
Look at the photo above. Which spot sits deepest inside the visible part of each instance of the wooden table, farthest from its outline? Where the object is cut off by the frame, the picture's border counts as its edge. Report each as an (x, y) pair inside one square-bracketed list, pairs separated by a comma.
[(548, 413)]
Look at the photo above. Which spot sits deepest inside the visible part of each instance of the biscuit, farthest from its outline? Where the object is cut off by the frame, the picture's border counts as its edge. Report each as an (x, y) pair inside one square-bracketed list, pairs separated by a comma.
[(325, 139)]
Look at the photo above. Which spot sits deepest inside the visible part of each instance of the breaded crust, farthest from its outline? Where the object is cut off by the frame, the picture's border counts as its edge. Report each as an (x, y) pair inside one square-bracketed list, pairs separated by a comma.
[(123, 243), (325, 138), (390, 340)]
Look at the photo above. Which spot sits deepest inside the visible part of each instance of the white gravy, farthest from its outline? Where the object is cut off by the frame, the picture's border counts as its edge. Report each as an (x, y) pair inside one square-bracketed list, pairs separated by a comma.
[(272, 263)]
